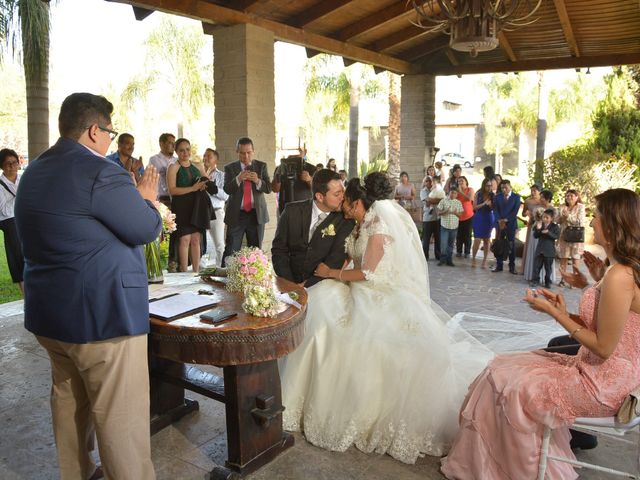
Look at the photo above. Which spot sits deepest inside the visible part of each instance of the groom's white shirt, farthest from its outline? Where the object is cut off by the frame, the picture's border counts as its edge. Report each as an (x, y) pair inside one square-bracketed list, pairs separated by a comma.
[(315, 213)]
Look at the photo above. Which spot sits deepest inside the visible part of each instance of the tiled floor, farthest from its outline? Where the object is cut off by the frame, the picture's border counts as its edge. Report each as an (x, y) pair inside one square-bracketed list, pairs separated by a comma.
[(191, 447)]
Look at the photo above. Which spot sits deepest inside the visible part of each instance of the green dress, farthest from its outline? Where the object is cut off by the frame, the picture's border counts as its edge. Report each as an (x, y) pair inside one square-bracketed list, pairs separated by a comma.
[(182, 205)]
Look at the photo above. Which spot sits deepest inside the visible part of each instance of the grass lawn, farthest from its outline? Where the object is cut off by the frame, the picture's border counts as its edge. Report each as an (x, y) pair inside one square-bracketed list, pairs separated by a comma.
[(9, 291)]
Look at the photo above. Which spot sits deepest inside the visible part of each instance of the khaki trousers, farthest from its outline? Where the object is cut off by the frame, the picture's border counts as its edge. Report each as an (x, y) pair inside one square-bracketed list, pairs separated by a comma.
[(101, 389)]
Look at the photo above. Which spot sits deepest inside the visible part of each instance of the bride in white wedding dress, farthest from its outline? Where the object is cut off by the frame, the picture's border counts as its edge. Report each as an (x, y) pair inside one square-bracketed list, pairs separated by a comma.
[(378, 367)]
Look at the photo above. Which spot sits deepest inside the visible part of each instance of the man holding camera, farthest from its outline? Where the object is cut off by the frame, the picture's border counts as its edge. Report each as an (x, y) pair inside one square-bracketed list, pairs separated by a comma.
[(292, 180), (245, 181)]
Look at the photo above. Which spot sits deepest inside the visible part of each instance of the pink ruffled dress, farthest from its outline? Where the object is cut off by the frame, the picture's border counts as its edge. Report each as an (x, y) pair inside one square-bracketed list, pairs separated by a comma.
[(503, 417)]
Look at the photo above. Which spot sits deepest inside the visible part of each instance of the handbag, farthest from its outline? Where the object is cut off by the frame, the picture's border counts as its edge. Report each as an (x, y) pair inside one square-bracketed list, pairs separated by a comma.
[(573, 234), (629, 408), (501, 247)]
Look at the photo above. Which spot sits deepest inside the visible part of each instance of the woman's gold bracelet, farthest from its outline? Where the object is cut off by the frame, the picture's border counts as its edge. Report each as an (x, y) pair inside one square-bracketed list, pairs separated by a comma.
[(575, 331)]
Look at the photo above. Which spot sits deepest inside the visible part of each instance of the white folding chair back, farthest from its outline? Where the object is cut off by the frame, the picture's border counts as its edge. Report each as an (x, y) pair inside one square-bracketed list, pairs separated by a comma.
[(607, 426)]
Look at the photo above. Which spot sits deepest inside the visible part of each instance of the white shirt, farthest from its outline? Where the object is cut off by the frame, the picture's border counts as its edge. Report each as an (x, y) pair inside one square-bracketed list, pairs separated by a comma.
[(162, 162), (315, 213), (7, 201), (219, 198), (429, 213)]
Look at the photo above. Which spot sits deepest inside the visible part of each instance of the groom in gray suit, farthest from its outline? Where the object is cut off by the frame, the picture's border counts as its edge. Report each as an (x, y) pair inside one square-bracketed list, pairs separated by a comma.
[(245, 181)]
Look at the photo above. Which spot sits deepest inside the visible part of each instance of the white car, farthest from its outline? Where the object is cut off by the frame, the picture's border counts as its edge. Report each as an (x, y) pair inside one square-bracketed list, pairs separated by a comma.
[(453, 158)]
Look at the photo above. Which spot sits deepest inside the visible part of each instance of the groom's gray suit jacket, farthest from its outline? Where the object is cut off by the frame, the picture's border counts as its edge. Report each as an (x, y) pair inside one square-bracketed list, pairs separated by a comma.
[(294, 256)]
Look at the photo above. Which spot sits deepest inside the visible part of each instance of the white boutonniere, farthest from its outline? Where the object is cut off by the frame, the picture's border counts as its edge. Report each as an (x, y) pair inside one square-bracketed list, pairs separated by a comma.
[(329, 231)]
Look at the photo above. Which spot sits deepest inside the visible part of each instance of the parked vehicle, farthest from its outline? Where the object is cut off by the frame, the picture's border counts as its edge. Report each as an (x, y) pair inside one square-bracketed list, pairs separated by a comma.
[(452, 158)]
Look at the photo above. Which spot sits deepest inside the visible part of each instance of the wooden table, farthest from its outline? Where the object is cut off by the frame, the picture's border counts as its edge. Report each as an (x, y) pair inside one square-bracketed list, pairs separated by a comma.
[(247, 348)]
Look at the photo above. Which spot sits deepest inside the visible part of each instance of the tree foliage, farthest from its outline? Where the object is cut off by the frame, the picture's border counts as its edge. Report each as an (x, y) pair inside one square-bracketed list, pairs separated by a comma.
[(24, 32), (616, 121), (337, 91), (589, 170), (173, 68)]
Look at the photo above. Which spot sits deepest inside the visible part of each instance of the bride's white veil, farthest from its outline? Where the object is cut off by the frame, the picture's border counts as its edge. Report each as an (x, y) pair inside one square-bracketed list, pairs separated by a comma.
[(404, 251)]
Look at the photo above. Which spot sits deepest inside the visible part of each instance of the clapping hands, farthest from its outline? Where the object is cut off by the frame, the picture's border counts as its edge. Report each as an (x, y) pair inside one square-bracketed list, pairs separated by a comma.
[(595, 265), (576, 279), (545, 301), (148, 184)]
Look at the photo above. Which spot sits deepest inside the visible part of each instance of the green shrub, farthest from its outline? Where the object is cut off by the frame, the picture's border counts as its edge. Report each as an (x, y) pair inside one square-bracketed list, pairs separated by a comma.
[(584, 167)]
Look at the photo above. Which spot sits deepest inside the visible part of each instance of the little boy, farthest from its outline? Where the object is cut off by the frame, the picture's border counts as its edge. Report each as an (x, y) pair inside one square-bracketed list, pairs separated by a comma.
[(449, 210), (547, 232)]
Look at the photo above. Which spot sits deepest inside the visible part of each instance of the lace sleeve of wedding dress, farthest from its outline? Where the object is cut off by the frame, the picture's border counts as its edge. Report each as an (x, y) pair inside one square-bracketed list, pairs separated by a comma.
[(394, 250)]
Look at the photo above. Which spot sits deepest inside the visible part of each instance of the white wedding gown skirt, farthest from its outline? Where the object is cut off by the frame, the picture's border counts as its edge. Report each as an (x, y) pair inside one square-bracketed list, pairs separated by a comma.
[(378, 369)]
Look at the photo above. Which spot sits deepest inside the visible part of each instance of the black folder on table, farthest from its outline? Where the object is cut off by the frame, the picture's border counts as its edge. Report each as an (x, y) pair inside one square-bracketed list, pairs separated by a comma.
[(179, 305)]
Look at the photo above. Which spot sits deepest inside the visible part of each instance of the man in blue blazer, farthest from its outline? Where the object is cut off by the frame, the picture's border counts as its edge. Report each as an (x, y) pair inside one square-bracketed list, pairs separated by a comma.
[(506, 206), (82, 221)]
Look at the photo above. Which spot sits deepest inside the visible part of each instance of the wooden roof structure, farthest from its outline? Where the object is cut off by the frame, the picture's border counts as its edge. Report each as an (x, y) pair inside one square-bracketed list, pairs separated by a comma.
[(566, 34)]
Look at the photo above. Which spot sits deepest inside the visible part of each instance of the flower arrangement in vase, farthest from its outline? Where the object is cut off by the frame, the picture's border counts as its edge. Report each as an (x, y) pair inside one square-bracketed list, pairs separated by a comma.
[(152, 250)]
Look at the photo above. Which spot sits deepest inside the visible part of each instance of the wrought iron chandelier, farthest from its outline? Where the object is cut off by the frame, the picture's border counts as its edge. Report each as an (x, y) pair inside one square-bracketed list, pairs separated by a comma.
[(473, 25)]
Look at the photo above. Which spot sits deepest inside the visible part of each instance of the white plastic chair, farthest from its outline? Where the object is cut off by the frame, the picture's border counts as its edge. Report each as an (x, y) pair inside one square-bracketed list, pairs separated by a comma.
[(607, 426)]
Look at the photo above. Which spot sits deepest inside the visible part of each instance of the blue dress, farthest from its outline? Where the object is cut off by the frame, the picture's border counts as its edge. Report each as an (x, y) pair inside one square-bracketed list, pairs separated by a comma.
[(483, 219)]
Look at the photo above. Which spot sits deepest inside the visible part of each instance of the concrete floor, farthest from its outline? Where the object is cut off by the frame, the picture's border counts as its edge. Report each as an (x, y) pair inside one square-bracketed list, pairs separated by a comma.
[(194, 445)]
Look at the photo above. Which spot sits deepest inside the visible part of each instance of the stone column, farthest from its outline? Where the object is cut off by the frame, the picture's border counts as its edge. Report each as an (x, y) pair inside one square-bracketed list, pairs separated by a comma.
[(418, 125), (245, 99)]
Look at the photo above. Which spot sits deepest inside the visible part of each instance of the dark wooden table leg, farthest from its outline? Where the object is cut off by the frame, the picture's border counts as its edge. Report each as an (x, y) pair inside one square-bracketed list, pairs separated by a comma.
[(168, 403), (254, 416)]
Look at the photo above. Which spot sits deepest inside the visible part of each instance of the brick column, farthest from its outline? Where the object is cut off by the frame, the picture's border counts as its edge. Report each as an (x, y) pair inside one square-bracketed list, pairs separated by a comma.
[(245, 99), (418, 125)]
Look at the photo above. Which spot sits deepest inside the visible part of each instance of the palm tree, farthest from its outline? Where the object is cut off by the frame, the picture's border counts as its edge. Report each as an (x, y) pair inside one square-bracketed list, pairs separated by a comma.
[(173, 64), (394, 125), (345, 88), (24, 31)]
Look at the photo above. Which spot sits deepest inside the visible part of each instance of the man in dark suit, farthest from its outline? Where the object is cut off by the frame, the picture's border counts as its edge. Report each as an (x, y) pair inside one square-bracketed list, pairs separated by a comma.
[(312, 231), (506, 206), (82, 223), (245, 181)]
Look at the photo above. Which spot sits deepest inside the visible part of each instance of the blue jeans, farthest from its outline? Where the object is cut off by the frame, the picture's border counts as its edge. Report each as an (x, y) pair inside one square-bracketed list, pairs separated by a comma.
[(447, 237)]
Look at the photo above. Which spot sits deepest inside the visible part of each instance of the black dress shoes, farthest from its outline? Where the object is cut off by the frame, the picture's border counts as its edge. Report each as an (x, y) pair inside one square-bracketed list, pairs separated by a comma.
[(513, 271), (496, 269)]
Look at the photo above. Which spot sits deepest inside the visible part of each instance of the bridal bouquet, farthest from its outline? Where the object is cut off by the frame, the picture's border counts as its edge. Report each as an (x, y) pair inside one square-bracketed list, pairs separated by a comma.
[(152, 250), (251, 273), (248, 267)]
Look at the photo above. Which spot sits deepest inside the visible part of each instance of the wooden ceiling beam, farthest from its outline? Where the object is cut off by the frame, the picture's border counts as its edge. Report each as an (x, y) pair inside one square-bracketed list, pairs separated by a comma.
[(141, 13), (374, 21), (506, 46), (211, 13), (409, 33), (539, 64), (561, 8), (248, 5), (425, 49), (317, 11)]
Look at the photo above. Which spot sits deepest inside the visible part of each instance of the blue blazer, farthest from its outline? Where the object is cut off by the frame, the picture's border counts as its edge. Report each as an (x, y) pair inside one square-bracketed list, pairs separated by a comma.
[(82, 222), (507, 209)]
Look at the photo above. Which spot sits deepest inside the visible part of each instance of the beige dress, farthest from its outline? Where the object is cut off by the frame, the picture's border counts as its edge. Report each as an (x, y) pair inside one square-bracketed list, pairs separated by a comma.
[(574, 217)]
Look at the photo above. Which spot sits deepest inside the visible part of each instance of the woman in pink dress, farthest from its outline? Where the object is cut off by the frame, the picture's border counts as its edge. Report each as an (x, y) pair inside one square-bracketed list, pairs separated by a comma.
[(508, 405)]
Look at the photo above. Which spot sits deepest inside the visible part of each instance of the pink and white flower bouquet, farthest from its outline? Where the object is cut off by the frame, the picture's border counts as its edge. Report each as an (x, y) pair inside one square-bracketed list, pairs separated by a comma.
[(168, 218), (250, 272), (249, 266)]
